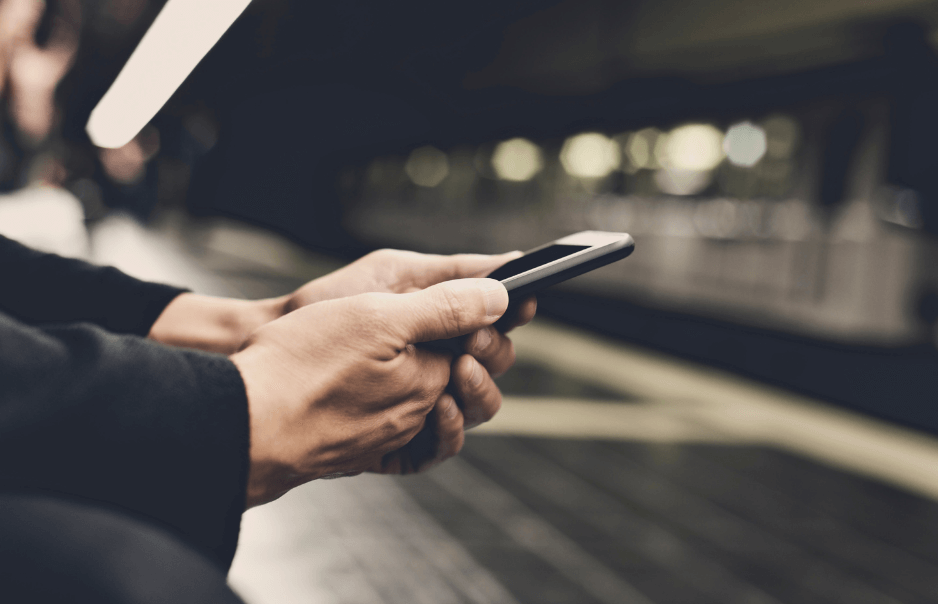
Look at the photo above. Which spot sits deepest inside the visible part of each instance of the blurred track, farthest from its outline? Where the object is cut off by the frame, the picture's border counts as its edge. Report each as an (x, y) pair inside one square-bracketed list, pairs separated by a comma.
[(612, 474)]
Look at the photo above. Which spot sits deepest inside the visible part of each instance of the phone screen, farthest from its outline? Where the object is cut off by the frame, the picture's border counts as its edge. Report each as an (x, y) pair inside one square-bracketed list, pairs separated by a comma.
[(534, 260)]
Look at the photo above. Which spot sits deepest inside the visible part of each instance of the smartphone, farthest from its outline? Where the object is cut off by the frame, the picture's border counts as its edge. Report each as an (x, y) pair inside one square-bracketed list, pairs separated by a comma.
[(548, 265), (560, 260)]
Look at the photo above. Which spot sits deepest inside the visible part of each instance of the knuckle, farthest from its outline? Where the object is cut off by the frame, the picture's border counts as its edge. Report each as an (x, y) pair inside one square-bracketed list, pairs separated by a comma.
[(367, 303), (400, 429), (395, 428), (386, 263), (483, 342), (384, 254)]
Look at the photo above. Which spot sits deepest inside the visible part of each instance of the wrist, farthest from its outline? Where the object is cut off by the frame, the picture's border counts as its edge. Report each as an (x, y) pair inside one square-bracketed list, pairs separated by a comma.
[(255, 313), (270, 473), (213, 324)]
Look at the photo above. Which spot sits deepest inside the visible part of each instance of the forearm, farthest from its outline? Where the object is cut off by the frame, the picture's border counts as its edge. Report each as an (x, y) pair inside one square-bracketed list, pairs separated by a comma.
[(43, 289), (159, 431), (212, 324)]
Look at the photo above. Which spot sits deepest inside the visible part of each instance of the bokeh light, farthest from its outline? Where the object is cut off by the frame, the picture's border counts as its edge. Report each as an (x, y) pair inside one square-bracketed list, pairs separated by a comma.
[(517, 160), (640, 148), (676, 181), (782, 136), (697, 147), (745, 144), (590, 155), (427, 166)]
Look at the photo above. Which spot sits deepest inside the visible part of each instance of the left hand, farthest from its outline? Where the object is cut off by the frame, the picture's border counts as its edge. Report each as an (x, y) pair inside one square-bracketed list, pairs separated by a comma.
[(394, 272), (222, 324)]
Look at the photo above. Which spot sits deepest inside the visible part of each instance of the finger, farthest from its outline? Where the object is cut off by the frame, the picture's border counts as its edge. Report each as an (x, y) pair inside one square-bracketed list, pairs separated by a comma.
[(492, 349), (430, 269), (481, 399), (449, 428), (445, 310), (526, 311), (397, 460), (518, 313)]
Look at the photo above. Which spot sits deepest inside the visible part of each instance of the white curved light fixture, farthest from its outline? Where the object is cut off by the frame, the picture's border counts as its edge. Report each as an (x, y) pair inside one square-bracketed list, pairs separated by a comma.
[(181, 35)]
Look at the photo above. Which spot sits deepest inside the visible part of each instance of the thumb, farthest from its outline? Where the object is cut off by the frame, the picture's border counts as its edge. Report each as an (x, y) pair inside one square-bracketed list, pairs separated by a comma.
[(449, 309)]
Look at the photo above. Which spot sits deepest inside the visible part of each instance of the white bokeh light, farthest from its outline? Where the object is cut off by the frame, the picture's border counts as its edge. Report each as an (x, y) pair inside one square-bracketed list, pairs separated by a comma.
[(745, 144), (590, 155), (517, 160), (696, 147), (640, 148), (427, 166)]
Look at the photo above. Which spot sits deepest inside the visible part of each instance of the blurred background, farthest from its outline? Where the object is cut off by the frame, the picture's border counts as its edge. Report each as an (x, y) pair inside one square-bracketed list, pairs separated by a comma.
[(742, 411)]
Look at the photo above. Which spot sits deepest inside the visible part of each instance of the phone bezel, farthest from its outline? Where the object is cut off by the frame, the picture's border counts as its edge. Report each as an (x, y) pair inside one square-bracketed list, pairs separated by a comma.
[(604, 248)]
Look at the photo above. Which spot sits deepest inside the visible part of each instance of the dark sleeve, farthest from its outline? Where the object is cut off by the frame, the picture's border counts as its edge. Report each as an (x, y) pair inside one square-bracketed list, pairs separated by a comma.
[(159, 432), (44, 288)]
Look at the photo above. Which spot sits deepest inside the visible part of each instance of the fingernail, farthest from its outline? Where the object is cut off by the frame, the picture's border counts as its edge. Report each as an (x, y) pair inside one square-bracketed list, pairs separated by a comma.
[(476, 377), (496, 297), (451, 410), (483, 339)]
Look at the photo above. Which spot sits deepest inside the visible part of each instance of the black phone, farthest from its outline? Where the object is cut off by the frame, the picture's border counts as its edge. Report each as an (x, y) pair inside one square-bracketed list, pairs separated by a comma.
[(548, 265)]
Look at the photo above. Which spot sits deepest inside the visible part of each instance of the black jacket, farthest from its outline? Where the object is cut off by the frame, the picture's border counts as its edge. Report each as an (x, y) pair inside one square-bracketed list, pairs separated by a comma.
[(91, 409)]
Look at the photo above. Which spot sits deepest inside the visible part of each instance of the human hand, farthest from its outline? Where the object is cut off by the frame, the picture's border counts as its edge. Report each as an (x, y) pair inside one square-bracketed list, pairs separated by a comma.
[(29, 73), (222, 324), (489, 353), (339, 387), (395, 272)]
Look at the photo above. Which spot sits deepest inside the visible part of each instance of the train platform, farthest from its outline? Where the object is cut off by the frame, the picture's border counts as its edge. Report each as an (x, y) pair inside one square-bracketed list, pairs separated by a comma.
[(613, 474)]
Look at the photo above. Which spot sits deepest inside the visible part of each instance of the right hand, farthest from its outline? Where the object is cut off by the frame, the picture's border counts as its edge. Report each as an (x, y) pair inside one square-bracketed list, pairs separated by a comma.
[(338, 387)]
